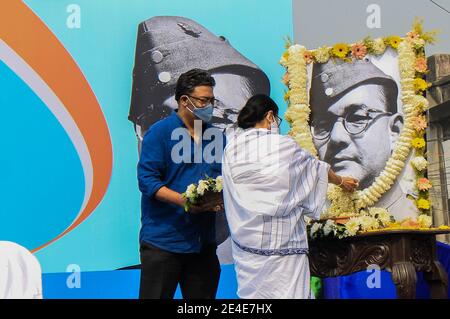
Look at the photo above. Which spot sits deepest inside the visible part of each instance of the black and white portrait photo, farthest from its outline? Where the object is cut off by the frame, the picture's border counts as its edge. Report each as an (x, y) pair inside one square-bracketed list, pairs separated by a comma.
[(168, 46), (356, 120)]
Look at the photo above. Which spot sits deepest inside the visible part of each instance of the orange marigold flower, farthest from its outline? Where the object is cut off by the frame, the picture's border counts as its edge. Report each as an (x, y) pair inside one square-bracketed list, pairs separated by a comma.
[(420, 123), (423, 184), (421, 65), (285, 79), (359, 51), (308, 57), (413, 35)]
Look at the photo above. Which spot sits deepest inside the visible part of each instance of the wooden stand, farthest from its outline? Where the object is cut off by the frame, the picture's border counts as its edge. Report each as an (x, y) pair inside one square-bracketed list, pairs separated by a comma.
[(401, 252)]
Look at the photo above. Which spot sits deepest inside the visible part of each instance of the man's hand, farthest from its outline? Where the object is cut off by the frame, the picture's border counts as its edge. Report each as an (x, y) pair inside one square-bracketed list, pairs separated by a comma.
[(206, 207), (348, 184)]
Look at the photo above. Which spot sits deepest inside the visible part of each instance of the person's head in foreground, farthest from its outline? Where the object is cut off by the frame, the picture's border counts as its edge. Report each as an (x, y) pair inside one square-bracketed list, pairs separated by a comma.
[(355, 121), (194, 95), (260, 111)]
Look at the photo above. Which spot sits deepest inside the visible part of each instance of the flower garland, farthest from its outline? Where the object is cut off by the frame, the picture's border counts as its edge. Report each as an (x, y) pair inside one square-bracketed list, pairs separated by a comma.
[(298, 112), (373, 219), (412, 67)]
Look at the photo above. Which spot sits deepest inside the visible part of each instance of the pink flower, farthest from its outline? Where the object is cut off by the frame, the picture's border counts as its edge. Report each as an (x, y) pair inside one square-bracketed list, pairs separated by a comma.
[(423, 184), (308, 57), (413, 35), (359, 50), (420, 123), (421, 65), (285, 79), (409, 223)]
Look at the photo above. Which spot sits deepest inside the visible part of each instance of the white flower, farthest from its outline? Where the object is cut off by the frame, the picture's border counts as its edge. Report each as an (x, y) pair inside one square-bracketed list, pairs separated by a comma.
[(368, 223), (419, 163), (341, 202), (352, 226), (378, 46), (424, 221), (381, 214), (419, 102), (322, 54), (384, 218), (315, 228), (296, 48), (191, 191), (202, 186), (308, 220), (419, 43), (329, 227), (219, 184)]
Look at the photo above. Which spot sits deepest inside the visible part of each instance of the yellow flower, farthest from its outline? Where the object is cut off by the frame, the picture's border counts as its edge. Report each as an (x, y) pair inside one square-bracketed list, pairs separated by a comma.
[(394, 41), (284, 58), (418, 142), (394, 225), (423, 203), (420, 85), (287, 95), (340, 50)]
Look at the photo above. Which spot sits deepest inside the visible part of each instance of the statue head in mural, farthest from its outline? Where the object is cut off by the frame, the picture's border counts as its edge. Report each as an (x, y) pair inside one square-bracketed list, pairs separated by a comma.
[(168, 46), (355, 119)]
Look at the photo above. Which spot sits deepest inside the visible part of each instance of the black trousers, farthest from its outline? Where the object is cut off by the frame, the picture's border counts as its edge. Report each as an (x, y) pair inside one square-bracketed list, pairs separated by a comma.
[(161, 271)]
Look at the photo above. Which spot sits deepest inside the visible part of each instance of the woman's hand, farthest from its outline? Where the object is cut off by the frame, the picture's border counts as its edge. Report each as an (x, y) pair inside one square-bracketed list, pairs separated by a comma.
[(348, 184)]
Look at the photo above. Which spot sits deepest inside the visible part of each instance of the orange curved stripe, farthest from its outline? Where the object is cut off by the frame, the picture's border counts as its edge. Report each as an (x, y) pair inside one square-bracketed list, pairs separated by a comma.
[(29, 37)]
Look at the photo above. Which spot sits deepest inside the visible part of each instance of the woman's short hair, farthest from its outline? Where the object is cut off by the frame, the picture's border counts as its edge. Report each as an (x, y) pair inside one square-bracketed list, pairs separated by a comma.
[(255, 110)]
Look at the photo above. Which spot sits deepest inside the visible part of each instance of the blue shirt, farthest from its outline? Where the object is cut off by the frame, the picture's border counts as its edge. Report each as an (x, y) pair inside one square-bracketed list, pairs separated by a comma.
[(167, 158)]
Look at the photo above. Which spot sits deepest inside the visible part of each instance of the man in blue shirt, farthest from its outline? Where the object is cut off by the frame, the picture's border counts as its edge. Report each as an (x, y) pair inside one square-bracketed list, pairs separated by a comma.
[(178, 247)]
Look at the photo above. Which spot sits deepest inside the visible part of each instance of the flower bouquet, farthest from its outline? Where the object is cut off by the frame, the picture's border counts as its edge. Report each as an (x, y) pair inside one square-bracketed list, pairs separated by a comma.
[(207, 194)]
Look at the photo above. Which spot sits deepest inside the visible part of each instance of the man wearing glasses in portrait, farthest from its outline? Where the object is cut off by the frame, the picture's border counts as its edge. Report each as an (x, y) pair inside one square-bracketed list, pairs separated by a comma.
[(355, 123)]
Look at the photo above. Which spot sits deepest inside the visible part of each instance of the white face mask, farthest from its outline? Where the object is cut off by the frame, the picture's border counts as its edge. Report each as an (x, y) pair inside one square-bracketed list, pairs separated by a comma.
[(274, 128)]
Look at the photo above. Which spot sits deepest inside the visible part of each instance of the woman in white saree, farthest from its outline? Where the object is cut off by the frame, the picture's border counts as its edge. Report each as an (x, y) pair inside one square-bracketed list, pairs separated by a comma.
[(270, 184)]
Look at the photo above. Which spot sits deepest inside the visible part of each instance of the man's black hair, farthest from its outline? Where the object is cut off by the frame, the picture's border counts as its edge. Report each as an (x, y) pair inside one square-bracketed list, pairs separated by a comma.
[(189, 80)]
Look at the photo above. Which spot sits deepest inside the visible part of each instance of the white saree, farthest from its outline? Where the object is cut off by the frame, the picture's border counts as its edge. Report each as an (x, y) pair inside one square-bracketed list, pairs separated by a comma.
[(270, 184)]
